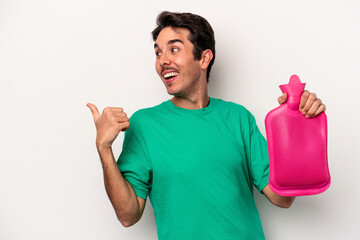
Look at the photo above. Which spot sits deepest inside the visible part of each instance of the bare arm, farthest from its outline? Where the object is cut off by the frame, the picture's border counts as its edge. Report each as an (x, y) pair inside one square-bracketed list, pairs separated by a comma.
[(128, 207), (276, 199)]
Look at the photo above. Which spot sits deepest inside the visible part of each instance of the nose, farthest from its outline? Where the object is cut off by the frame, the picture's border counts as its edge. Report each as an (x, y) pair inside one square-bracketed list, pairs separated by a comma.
[(164, 59)]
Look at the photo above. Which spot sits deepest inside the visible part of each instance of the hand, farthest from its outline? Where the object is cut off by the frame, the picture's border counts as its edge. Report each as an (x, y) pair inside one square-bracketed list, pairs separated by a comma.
[(310, 105), (108, 125)]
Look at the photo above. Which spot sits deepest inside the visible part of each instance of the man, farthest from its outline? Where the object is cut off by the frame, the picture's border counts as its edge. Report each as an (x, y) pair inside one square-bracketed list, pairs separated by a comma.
[(196, 157)]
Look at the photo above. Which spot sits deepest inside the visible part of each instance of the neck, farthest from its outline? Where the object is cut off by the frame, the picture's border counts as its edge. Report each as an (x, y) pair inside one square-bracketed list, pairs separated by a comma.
[(197, 100)]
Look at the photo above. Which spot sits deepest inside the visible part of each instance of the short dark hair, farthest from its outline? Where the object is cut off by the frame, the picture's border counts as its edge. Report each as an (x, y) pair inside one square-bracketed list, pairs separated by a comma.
[(201, 33)]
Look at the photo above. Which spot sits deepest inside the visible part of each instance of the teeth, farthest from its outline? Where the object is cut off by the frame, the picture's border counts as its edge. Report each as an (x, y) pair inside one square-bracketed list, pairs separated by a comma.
[(171, 74)]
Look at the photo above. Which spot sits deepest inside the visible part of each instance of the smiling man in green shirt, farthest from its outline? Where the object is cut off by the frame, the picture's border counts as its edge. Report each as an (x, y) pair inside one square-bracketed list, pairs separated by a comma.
[(196, 157)]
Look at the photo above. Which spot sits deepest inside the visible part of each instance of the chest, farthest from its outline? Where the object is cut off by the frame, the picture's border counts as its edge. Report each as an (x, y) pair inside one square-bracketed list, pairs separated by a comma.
[(195, 148)]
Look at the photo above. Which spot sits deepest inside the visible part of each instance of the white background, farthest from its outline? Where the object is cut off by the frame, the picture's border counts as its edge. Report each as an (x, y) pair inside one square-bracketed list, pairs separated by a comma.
[(55, 56)]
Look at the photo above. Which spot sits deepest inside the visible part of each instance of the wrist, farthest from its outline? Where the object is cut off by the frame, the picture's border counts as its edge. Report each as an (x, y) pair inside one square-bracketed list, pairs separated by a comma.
[(103, 148)]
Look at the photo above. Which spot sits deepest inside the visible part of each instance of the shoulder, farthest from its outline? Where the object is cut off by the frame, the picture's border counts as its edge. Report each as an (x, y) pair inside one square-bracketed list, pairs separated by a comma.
[(232, 108), (146, 116), (147, 112)]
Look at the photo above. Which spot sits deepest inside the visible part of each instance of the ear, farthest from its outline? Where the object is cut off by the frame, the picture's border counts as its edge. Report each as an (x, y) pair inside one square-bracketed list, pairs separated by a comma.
[(206, 57)]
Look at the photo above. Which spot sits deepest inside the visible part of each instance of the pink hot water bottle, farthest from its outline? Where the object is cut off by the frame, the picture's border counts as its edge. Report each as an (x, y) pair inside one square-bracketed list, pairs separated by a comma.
[(297, 146)]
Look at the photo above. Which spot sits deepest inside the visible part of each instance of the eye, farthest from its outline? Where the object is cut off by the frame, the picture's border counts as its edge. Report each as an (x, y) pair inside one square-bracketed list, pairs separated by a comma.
[(174, 50), (157, 53)]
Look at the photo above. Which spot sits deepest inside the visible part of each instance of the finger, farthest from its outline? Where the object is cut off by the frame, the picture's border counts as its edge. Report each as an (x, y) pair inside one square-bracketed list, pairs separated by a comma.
[(117, 120), (117, 109), (94, 111), (123, 126), (126, 127), (120, 114), (321, 109), (313, 108), (113, 109), (282, 99), (309, 102), (304, 98)]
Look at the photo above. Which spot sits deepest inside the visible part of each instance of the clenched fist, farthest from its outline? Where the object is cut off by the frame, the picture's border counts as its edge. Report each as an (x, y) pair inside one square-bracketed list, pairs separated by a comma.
[(310, 105), (109, 124)]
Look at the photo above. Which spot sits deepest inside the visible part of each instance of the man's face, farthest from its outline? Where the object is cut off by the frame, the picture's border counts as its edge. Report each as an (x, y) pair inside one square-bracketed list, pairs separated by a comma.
[(175, 62)]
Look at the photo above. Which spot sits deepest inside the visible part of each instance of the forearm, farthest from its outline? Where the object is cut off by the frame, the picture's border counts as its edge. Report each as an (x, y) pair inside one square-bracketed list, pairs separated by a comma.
[(120, 192), (276, 199)]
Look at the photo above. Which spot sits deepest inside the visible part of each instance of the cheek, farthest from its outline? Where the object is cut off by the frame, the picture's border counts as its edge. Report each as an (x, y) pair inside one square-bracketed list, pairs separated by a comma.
[(157, 68), (193, 69)]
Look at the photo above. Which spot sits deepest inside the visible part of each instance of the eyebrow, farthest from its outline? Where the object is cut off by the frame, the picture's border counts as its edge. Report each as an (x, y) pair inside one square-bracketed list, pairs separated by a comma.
[(170, 42)]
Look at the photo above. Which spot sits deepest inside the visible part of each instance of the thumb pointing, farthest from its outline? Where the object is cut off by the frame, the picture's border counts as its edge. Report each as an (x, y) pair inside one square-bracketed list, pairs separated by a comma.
[(94, 111)]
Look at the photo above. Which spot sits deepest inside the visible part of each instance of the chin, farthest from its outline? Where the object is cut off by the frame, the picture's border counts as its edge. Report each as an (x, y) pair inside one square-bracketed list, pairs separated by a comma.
[(172, 91)]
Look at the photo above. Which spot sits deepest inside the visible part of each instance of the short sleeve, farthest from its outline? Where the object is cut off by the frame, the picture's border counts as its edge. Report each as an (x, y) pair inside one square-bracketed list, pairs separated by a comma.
[(259, 158), (133, 162)]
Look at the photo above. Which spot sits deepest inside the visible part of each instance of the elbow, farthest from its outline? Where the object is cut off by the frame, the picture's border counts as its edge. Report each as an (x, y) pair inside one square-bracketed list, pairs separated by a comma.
[(276, 199), (126, 224), (126, 221), (285, 203)]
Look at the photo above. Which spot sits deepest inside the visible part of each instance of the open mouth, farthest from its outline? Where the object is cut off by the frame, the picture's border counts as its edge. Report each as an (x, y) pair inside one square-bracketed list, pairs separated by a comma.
[(170, 76)]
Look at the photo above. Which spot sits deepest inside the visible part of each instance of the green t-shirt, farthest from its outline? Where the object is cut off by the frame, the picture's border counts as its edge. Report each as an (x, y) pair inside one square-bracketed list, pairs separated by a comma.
[(198, 168)]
